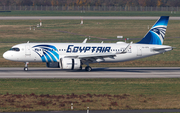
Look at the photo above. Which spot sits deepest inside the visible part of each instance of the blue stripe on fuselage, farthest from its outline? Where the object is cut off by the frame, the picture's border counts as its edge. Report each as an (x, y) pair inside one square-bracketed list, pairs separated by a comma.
[(53, 58), (48, 58)]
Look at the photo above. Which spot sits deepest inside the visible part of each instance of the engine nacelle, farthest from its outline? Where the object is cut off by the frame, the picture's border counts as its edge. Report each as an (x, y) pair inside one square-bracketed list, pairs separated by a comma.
[(52, 64), (68, 63)]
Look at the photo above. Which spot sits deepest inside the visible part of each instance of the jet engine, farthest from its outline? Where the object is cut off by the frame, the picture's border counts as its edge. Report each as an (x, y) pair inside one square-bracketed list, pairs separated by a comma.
[(68, 63)]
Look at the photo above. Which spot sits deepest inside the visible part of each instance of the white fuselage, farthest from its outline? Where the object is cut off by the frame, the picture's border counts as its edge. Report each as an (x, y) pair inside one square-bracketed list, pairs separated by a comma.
[(52, 52)]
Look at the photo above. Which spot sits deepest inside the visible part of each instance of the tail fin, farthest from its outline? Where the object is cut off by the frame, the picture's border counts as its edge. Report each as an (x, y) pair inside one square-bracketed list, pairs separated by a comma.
[(157, 33)]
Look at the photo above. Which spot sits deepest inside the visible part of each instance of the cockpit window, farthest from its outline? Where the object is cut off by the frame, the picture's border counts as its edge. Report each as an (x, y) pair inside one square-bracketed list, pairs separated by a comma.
[(15, 49)]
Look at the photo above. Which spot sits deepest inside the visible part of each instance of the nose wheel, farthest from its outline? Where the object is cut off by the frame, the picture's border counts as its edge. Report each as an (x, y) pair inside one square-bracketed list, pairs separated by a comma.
[(26, 66), (88, 68)]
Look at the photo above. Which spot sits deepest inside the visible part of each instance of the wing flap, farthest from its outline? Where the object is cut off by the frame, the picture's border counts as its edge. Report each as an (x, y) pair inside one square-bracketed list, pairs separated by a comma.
[(97, 55)]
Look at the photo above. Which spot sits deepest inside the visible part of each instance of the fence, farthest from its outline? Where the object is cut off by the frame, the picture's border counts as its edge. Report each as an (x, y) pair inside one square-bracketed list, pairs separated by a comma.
[(85, 8)]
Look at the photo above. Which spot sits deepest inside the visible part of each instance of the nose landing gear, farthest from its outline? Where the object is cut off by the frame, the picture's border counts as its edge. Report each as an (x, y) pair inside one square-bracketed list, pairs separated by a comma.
[(26, 66)]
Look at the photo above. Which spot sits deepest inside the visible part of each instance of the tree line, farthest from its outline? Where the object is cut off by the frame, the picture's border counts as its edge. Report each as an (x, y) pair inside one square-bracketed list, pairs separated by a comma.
[(144, 3)]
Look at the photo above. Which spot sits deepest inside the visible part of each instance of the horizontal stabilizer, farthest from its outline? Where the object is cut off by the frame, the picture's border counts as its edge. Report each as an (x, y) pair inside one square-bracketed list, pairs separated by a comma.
[(167, 48)]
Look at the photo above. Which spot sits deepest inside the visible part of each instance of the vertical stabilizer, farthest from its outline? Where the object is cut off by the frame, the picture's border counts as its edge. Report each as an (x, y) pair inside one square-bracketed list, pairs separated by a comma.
[(157, 33)]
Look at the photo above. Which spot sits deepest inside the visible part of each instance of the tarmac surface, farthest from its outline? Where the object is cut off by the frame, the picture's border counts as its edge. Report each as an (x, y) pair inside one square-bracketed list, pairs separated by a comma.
[(83, 17), (119, 72)]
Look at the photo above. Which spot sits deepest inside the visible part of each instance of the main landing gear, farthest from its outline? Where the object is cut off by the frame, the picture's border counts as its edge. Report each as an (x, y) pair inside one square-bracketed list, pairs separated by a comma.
[(26, 66), (88, 68)]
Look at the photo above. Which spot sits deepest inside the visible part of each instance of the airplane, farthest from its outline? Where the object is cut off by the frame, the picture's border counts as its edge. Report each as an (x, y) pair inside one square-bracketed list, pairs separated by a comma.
[(74, 55)]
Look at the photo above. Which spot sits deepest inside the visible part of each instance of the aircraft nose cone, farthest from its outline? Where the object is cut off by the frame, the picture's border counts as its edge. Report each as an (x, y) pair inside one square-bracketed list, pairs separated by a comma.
[(5, 55)]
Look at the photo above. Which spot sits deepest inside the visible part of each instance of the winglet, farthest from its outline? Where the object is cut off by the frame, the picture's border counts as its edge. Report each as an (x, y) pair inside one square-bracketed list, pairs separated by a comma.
[(85, 40), (125, 50)]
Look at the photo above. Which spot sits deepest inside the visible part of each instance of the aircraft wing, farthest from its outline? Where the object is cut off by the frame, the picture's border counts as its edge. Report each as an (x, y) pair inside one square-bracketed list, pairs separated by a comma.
[(99, 56), (93, 57), (102, 55)]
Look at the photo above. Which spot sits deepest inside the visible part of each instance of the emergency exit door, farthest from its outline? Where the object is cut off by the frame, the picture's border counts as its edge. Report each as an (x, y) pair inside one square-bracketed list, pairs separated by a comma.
[(139, 51), (27, 50)]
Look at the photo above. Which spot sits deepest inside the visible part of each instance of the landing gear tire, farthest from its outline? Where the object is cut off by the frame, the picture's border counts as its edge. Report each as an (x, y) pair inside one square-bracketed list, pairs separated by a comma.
[(25, 68), (88, 68)]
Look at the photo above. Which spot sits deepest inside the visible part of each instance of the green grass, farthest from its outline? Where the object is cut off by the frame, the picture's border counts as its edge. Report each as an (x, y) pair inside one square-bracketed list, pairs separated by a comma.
[(45, 94), (103, 29), (156, 87), (89, 13)]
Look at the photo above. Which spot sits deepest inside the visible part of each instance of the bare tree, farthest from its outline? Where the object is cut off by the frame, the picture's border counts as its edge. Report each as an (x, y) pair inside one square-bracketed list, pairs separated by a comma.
[(173, 3), (144, 3)]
